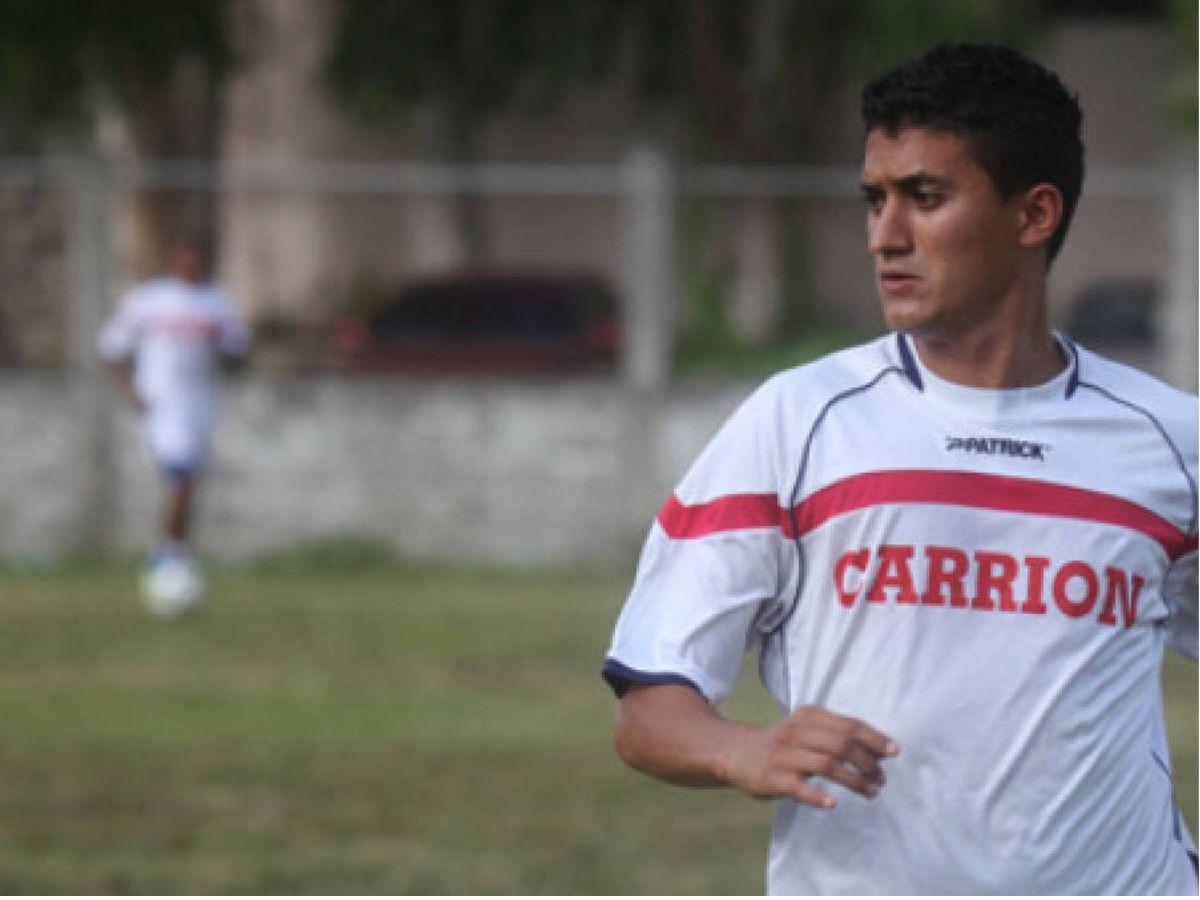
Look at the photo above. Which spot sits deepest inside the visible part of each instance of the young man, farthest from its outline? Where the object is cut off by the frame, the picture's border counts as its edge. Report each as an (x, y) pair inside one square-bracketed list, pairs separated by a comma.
[(165, 345), (959, 550)]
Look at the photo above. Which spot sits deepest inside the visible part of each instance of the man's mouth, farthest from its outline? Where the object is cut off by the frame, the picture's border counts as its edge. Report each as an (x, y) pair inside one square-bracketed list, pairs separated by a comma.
[(897, 283)]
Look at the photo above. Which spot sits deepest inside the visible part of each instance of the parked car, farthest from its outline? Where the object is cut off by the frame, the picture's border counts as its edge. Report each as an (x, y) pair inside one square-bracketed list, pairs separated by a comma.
[(1118, 311), (1119, 319), (485, 324)]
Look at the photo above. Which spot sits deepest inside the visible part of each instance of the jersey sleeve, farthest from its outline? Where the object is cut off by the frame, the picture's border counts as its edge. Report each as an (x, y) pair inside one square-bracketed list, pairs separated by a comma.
[(119, 337), (710, 569)]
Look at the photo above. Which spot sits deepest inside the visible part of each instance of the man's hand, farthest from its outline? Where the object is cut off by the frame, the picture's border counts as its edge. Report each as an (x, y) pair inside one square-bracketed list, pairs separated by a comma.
[(122, 373), (673, 733), (777, 761)]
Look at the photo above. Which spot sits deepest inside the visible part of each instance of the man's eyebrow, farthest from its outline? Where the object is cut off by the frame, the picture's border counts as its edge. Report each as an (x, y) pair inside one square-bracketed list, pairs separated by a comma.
[(919, 180), (915, 181)]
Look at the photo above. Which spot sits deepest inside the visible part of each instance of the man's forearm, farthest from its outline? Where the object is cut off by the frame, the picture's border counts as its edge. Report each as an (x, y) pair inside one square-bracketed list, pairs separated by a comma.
[(673, 733), (123, 376)]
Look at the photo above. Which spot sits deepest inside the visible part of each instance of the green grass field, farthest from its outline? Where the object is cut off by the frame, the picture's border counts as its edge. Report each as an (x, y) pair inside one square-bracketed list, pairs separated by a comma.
[(355, 728)]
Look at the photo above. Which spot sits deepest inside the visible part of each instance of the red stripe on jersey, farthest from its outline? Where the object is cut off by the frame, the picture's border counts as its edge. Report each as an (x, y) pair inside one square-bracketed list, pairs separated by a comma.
[(981, 491), (998, 492), (729, 513)]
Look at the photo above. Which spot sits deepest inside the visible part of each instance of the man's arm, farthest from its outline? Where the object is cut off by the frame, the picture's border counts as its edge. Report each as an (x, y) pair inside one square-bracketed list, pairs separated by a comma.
[(122, 372), (673, 733), (231, 339)]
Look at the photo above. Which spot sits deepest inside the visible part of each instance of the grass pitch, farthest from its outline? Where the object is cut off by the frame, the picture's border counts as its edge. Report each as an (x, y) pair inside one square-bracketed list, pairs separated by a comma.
[(351, 728)]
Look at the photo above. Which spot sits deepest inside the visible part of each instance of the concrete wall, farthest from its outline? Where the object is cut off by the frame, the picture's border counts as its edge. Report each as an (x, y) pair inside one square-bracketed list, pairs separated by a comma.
[(517, 473), (46, 476)]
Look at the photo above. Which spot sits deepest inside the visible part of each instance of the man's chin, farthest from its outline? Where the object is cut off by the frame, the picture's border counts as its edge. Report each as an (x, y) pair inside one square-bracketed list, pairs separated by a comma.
[(905, 318)]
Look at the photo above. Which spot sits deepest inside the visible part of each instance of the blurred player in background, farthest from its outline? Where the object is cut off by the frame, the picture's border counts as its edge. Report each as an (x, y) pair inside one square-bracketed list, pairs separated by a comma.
[(166, 345), (959, 550)]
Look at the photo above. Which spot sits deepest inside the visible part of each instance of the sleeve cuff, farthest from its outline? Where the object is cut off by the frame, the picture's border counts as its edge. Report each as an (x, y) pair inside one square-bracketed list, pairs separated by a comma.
[(621, 678)]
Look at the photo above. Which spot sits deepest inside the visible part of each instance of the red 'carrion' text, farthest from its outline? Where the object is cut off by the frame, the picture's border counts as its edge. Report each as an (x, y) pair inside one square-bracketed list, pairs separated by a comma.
[(986, 580)]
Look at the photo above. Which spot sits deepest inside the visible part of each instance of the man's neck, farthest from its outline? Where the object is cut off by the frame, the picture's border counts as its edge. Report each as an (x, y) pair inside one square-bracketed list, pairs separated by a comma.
[(996, 361), (1013, 349)]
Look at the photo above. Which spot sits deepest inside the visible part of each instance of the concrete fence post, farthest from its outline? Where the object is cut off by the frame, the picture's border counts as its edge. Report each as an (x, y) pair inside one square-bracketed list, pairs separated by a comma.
[(648, 269), (1178, 325), (89, 261)]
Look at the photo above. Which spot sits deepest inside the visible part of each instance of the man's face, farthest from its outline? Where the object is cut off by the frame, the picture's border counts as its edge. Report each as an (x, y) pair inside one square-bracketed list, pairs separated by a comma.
[(945, 243), (189, 262)]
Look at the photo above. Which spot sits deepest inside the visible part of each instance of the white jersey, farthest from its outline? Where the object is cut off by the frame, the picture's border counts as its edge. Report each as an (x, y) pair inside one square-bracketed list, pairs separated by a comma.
[(175, 332), (988, 577)]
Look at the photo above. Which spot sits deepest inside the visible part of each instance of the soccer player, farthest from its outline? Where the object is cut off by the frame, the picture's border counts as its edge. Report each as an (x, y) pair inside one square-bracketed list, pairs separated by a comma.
[(958, 550), (165, 345)]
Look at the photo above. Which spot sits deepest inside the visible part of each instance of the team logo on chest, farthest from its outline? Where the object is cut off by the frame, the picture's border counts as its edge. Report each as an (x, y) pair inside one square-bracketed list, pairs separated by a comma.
[(986, 581), (990, 446)]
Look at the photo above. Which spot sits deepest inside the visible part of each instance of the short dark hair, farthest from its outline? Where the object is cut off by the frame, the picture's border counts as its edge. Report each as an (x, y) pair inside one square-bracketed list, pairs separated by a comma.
[(1021, 124), (194, 237)]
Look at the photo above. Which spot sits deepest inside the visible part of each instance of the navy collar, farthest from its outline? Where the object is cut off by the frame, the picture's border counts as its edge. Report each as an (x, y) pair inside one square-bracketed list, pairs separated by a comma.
[(913, 372)]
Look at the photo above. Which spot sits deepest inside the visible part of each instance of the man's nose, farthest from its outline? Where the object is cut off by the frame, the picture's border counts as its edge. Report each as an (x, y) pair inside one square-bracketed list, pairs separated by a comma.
[(888, 231)]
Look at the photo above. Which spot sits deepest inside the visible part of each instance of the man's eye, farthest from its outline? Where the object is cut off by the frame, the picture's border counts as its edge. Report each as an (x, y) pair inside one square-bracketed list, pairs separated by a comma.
[(927, 199)]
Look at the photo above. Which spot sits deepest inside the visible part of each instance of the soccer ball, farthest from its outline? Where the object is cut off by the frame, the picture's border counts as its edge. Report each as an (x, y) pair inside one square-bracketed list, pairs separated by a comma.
[(173, 586)]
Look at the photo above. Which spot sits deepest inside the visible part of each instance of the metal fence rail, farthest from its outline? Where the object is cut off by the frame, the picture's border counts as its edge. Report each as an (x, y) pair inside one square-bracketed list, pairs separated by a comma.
[(645, 184), (590, 180)]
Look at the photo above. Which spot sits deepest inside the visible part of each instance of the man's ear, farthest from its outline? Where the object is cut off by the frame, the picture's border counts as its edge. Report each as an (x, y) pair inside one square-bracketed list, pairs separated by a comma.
[(1040, 211)]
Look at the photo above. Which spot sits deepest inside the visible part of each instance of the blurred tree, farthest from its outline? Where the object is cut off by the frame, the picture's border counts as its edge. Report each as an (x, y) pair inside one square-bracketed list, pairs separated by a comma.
[(158, 66), (466, 61), (1182, 15), (753, 82), (750, 78), (749, 81), (61, 59)]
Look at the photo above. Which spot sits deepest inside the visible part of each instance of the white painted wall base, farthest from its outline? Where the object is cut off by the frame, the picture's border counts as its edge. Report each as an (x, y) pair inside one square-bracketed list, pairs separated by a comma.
[(510, 474)]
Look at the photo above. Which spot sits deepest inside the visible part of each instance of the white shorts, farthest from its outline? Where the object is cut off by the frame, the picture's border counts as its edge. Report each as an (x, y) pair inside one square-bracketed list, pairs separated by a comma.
[(180, 439)]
